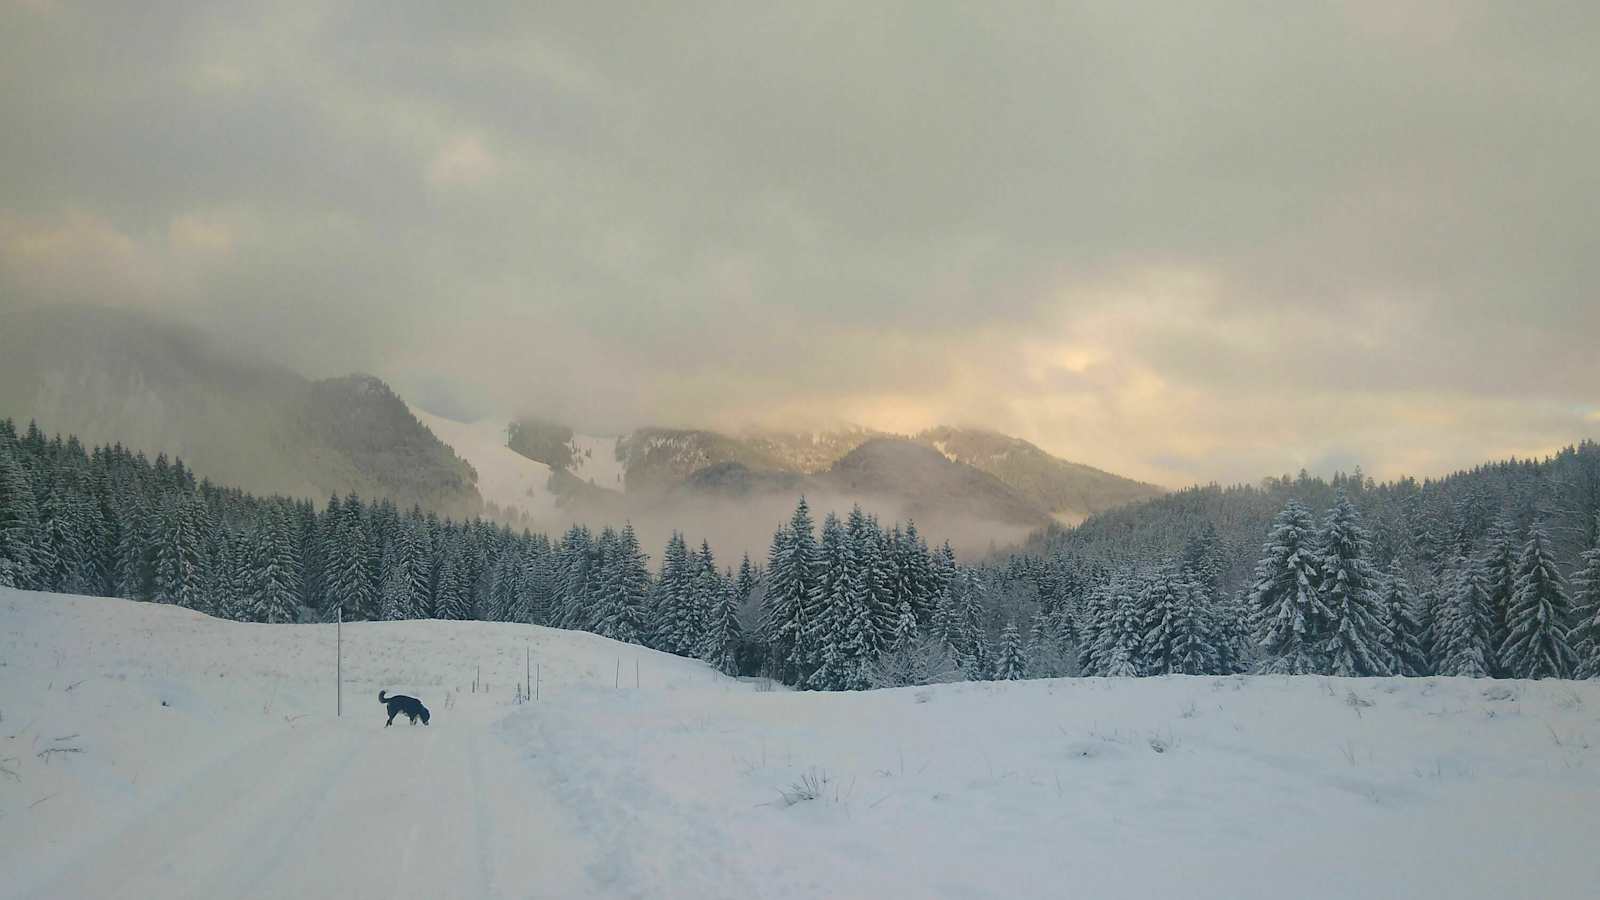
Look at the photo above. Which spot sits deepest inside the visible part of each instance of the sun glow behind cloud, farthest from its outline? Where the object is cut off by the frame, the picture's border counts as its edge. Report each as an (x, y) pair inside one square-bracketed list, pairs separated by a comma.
[(1306, 241)]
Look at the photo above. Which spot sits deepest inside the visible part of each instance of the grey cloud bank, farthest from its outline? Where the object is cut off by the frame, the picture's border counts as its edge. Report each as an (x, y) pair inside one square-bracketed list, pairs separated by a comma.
[(1184, 243)]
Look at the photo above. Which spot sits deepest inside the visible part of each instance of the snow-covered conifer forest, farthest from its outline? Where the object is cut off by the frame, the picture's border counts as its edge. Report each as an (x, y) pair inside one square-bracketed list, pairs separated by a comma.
[(1493, 572)]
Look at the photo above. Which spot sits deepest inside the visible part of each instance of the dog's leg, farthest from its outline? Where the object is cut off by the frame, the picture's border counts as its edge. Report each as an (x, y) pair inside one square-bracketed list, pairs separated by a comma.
[(390, 722)]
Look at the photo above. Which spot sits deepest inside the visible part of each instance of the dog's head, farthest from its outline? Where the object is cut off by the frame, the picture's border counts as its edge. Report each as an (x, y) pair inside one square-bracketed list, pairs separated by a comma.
[(424, 715)]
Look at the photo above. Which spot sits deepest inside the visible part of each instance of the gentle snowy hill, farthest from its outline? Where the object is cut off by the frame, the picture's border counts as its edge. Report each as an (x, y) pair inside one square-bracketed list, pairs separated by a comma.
[(152, 751)]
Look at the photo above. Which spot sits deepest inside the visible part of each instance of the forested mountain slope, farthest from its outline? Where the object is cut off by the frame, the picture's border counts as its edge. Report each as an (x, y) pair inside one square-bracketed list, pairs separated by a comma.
[(109, 375)]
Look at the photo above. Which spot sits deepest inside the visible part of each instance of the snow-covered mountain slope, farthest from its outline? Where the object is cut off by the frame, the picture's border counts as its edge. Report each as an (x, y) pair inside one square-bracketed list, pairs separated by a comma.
[(505, 478), (152, 751), (594, 459)]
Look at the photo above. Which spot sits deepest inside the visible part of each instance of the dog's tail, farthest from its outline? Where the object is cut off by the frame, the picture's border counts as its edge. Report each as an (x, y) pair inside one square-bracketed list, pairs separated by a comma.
[(381, 698)]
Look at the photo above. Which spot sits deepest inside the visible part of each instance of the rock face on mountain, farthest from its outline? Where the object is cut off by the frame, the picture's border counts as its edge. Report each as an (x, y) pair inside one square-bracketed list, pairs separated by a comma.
[(117, 376)]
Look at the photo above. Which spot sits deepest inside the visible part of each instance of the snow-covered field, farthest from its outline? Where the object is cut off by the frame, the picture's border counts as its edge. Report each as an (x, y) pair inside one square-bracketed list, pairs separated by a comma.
[(151, 751)]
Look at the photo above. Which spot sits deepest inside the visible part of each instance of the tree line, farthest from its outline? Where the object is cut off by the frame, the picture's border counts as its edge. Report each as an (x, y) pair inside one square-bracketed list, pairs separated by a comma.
[(856, 604), (111, 522)]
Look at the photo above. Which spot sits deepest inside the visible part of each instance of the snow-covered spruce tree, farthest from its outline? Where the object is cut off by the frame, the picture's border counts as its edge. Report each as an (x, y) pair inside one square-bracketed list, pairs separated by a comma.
[(574, 571), (905, 634), (347, 572), (1093, 620), (1405, 627), (1011, 664), (180, 561), (677, 620), (134, 574), (1181, 638), (221, 588), (421, 570), (880, 581), (720, 647), (1291, 620), (706, 595), (275, 571), (19, 521), (841, 587), (452, 597), (1119, 627), (394, 591), (793, 595), (61, 549), (972, 638), (745, 582), (1359, 638), (1465, 618), (1585, 635), (1230, 619), (1499, 567), (1537, 621), (625, 591)]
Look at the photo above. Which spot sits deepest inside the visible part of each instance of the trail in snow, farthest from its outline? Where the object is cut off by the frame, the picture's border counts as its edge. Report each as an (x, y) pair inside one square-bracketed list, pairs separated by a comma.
[(343, 808), (212, 765)]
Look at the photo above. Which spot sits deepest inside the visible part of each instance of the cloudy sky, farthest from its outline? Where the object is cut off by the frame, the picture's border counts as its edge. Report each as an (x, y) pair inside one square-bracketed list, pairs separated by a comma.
[(1179, 241)]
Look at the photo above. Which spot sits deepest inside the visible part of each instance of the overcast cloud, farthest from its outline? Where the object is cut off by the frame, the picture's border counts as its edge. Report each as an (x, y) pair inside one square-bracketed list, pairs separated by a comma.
[(1176, 241)]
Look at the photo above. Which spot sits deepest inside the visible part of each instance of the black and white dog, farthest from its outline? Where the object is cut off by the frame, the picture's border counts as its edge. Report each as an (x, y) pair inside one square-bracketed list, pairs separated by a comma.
[(398, 704)]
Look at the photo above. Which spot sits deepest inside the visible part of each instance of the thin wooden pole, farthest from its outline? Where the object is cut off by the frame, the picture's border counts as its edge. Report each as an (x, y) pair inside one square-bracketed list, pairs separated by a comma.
[(616, 681), (338, 665), (537, 677), (527, 669), (636, 673)]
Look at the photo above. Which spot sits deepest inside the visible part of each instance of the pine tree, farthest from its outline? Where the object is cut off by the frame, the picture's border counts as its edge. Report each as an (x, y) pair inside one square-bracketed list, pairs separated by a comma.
[(275, 572), (1231, 624), (841, 585), (904, 636), (180, 563), (1405, 628), (1012, 663), (1359, 637), (134, 576), (395, 589), (1585, 634), (745, 587), (1499, 567), (1537, 620), (1466, 617), (723, 631), (19, 522), (60, 545), (451, 593), (346, 570), (1181, 639), (794, 593), (1292, 621), (625, 591), (676, 628)]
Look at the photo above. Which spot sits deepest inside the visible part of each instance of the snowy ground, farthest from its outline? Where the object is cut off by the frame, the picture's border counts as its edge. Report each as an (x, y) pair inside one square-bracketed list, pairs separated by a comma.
[(209, 763)]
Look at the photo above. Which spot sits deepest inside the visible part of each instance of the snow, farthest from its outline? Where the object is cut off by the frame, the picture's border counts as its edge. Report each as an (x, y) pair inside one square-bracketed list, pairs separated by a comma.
[(212, 764), (506, 478), (595, 460)]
